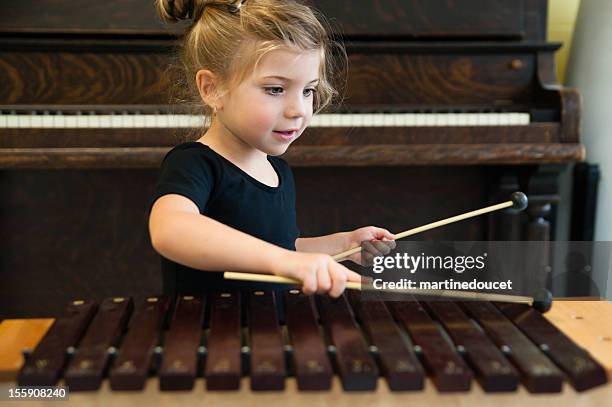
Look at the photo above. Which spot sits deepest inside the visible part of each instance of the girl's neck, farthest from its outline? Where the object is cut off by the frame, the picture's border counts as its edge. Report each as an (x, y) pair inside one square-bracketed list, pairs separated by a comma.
[(223, 141)]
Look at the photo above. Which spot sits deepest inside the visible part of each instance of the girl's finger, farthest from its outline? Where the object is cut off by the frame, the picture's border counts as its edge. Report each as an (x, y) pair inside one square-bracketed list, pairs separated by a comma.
[(309, 284), (324, 281), (351, 275), (381, 246), (367, 259), (370, 248), (339, 278)]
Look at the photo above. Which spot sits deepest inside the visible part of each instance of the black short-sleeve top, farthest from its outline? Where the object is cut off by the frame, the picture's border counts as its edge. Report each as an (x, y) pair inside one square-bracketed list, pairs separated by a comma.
[(226, 193)]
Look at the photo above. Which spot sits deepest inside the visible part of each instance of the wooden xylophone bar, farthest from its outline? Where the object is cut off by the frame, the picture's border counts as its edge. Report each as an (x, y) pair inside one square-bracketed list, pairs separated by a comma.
[(499, 345)]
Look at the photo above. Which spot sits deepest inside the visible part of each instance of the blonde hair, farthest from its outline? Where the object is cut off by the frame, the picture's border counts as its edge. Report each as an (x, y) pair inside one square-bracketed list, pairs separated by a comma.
[(229, 38)]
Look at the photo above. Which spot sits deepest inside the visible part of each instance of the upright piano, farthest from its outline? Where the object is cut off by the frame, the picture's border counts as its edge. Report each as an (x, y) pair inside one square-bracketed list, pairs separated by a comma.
[(448, 107)]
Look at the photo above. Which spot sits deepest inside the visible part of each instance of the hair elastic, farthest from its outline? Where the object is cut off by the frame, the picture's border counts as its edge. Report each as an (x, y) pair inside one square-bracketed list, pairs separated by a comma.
[(234, 8)]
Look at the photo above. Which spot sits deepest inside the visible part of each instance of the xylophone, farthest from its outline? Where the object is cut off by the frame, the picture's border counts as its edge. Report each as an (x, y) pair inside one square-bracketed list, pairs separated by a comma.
[(227, 337)]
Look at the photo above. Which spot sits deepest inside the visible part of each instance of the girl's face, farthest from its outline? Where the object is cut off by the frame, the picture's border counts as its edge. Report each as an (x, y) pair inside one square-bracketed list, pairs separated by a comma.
[(271, 108)]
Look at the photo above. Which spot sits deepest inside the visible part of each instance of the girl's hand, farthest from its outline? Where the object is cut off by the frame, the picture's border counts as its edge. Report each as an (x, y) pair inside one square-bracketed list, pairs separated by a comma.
[(319, 273), (376, 242)]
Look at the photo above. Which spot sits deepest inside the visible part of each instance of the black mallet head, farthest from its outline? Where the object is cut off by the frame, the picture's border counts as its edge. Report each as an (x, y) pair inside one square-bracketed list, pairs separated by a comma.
[(542, 301), (519, 200)]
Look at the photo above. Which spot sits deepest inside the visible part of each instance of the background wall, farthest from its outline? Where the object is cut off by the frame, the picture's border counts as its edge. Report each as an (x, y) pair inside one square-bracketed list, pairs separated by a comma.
[(561, 22), (587, 66)]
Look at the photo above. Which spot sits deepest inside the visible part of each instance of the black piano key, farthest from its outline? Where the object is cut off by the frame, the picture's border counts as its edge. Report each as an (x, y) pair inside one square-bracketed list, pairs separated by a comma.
[(493, 371), (46, 364), (86, 370), (356, 367), (538, 373), (223, 362), (130, 368), (312, 368), (448, 371), (399, 363), (267, 370), (179, 365), (582, 370)]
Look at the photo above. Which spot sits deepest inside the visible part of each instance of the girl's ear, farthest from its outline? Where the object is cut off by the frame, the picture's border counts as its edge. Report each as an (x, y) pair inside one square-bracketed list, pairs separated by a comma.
[(209, 88)]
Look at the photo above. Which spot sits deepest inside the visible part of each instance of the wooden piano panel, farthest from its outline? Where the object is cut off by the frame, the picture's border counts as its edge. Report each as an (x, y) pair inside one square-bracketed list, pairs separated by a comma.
[(133, 17), (395, 81), (439, 80), (509, 19), (83, 78), (73, 234), (427, 18)]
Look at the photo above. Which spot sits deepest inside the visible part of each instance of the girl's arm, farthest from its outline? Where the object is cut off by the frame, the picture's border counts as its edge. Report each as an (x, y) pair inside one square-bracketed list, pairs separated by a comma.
[(329, 244), (379, 243), (180, 233)]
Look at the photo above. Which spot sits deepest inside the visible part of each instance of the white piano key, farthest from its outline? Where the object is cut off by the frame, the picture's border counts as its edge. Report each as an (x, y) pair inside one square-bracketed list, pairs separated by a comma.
[(471, 119), (504, 119), (338, 120), (442, 120), (35, 121), (187, 121), (173, 121), (483, 120), (105, 121), (346, 120), (452, 119), (118, 121), (70, 121), (513, 119), (420, 119), (94, 120), (59, 121), (429, 120), (196, 121), (378, 120), (47, 121), (3, 121), (327, 120), (396, 120), (128, 120), (324, 120), (149, 120), (387, 120), (161, 121), (462, 120), (410, 120), (315, 120), (366, 119), (495, 119), (24, 121), (12, 121), (139, 121), (180, 120), (357, 120), (524, 118), (82, 121)]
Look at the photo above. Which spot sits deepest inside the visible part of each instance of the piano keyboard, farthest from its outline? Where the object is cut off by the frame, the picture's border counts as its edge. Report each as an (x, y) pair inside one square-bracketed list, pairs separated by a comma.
[(130, 120)]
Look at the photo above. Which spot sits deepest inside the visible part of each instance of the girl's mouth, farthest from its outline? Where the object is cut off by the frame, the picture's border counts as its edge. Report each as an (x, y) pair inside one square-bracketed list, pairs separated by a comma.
[(286, 135)]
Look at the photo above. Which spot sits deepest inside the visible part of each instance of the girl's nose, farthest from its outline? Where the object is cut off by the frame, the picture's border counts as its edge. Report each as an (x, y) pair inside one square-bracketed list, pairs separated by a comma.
[(296, 107)]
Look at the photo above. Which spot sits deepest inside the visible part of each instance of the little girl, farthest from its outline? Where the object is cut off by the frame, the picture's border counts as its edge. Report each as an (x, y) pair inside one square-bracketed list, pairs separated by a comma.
[(227, 201)]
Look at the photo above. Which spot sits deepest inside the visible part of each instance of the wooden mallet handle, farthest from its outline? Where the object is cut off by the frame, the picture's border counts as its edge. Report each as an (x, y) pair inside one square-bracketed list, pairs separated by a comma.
[(518, 201)]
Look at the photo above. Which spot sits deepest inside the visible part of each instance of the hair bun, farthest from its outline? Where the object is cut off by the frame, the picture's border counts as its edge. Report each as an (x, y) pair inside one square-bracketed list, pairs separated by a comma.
[(171, 11)]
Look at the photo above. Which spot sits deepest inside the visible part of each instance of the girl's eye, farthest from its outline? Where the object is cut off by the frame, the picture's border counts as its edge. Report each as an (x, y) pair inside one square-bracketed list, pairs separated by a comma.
[(274, 91), (309, 92)]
